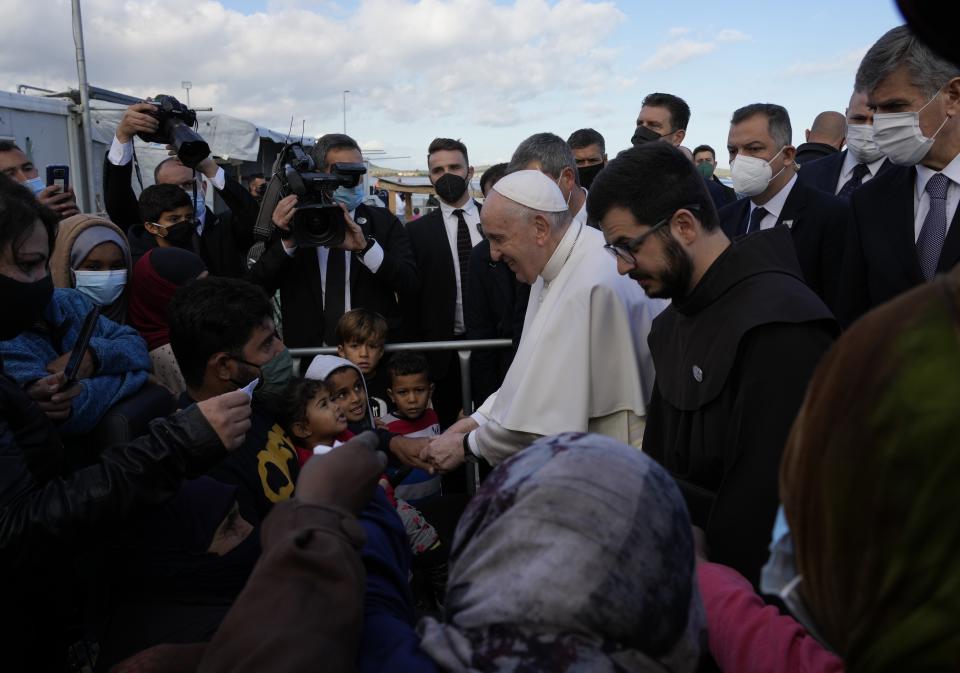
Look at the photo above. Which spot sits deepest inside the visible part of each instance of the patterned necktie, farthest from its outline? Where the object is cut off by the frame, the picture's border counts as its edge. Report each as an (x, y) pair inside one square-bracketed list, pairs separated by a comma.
[(464, 247), (755, 218), (334, 296), (934, 230), (859, 171)]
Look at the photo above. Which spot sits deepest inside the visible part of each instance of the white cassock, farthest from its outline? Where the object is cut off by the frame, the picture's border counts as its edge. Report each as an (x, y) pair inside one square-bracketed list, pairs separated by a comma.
[(582, 363)]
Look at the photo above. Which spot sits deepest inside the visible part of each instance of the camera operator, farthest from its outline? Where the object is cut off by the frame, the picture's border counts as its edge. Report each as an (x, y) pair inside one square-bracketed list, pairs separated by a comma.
[(318, 285), (15, 164), (257, 185), (221, 240)]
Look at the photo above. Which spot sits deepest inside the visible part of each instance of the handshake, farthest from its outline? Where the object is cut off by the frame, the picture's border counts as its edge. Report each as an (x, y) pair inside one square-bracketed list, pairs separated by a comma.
[(439, 454)]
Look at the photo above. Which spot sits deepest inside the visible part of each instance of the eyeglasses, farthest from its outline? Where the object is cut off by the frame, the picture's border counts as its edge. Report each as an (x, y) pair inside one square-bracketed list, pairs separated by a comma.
[(189, 219), (625, 250)]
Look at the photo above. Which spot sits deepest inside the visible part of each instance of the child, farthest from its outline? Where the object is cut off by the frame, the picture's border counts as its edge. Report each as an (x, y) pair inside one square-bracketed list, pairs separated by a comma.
[(349, 393), (361, 335), (311, 417), (410, 391), (168, 221)]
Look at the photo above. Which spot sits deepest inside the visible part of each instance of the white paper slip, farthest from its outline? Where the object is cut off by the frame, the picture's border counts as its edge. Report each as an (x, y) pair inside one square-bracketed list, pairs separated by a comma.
[(248, 389)]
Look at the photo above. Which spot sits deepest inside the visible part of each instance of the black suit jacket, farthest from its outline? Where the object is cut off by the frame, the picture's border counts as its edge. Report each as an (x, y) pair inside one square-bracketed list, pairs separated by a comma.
[(817, 224), (430, 311), (808, 152), (301, 295), (880, 256), (226, 236), (823, 174)]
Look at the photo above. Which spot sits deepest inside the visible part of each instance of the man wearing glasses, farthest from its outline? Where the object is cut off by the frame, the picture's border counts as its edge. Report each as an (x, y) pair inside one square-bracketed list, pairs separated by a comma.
[(583, 364), (733, 353)]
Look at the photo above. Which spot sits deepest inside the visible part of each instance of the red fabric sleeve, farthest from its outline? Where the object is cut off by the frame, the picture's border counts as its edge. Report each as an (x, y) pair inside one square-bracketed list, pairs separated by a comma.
[(748, 636)]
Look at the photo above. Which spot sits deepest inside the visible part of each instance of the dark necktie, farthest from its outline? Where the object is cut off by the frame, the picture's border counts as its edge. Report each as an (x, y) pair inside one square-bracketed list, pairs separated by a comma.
[(859, 171), (335, 295), (464, 247), (755, 218), (934, 230)]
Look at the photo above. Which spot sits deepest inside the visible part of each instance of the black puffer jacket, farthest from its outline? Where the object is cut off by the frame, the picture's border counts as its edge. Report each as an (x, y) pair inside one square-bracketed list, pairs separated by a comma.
[(48, 519)]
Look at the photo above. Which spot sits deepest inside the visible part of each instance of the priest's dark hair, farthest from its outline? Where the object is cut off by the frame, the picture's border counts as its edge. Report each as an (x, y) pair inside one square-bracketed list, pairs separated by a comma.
[(450, 145), (651, 180), (213, 315)]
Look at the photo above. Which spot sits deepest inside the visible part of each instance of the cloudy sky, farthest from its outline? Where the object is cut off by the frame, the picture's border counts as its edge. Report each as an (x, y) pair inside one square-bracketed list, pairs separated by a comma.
[(488, 71)]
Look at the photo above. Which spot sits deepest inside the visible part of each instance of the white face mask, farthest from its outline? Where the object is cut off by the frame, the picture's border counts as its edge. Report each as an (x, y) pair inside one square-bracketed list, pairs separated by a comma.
[(751, 175), (102, 287), (899, 137), (861, 144)]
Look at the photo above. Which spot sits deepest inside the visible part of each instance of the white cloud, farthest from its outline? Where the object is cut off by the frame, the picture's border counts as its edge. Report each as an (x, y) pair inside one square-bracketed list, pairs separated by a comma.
[(846, 62), (732, 35), (675, 51), (485, 61)]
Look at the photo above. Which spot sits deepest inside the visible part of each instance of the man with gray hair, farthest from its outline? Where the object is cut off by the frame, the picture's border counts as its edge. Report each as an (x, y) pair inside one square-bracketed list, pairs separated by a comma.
[(551, 155), (904, 227), (583, 363), (763, 169)]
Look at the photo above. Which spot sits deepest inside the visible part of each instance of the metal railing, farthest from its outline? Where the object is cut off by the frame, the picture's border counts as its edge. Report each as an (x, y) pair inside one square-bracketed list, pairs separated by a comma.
[(464, 350)]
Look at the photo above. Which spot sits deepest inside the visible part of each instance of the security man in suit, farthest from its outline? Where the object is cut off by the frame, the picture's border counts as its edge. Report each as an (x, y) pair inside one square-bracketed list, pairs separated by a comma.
[(222, 240), (442, 243), (369, 269), (861, 161), (763, 169), (904, 225)]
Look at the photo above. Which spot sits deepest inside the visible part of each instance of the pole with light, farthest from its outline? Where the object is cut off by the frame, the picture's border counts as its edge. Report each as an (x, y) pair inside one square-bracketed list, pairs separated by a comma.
[(345, 92), (187, 85), (89, 193)]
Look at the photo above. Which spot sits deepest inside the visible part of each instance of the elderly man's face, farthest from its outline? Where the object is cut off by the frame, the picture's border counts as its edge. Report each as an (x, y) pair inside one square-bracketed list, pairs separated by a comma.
[(512, 236)]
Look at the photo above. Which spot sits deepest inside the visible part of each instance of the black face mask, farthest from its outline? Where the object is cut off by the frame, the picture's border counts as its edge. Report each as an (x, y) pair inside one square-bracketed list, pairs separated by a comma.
[(181, 234), (587, 174), (23, 304), (450, 187), (644, 135)]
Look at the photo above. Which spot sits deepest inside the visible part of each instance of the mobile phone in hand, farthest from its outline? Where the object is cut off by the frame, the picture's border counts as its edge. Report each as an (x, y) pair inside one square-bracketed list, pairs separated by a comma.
[(58, 176), (80, 348)]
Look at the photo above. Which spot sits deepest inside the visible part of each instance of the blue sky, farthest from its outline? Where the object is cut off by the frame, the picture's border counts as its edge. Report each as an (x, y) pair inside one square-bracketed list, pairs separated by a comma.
[(488, 71)]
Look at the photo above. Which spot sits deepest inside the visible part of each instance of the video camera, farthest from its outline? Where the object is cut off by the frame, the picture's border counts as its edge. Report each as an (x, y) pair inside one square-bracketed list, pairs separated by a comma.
[(176, 128), (318, 220)]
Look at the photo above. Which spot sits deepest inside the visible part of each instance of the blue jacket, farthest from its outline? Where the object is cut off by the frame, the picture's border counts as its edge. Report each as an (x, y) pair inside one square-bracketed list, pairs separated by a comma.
[(122, 360)]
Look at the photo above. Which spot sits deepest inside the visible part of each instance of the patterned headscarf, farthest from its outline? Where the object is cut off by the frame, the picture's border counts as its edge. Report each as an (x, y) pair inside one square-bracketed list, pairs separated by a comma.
[(575, 555), (869, 482)]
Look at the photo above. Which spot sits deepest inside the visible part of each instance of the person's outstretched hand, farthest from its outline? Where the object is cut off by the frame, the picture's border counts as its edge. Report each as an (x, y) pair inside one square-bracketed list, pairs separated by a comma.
[(344, 477)]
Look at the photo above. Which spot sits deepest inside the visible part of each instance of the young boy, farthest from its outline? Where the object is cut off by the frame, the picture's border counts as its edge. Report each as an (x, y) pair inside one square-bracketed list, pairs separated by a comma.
[(361, 335), (168, 221), (410, 391)]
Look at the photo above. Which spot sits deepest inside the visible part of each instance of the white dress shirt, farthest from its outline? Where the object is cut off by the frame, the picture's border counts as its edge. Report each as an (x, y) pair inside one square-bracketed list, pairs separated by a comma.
[(372, 260), (774, 206), (451, 223), (849, 163), (921, 200)]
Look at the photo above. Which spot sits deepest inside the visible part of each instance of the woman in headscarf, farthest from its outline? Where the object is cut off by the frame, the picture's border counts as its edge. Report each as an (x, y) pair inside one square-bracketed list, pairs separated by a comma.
[(92, 255), (156, 277), (868, 484)]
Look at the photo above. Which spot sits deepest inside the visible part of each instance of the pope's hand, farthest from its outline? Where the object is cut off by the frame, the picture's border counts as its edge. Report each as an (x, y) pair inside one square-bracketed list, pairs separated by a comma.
[(445, 453)]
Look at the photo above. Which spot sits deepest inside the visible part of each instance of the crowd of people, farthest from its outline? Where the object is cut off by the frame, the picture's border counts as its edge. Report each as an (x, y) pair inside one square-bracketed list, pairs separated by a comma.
[(721, 440)]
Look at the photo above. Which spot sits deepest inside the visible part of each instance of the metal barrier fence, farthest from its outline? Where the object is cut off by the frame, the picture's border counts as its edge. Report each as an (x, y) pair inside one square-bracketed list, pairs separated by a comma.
[(464, 350)]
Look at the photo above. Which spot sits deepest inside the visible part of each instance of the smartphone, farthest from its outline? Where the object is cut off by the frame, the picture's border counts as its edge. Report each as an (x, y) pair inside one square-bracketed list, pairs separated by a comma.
[(58, 176), (80, 347)]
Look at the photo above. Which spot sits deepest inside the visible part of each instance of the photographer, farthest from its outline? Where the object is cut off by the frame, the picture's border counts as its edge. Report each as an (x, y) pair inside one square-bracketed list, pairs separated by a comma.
[(257, 185), (317, 285), (15, 164), (221, 240)]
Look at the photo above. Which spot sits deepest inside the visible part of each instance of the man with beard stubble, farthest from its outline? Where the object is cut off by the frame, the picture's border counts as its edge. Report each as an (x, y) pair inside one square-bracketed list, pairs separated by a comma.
[(733, 352)]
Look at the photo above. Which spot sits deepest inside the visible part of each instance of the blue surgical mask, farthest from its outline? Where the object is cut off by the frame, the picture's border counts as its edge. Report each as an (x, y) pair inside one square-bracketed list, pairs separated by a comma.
[(102, 287), (349, 197), (199, 203), (35, 185)]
